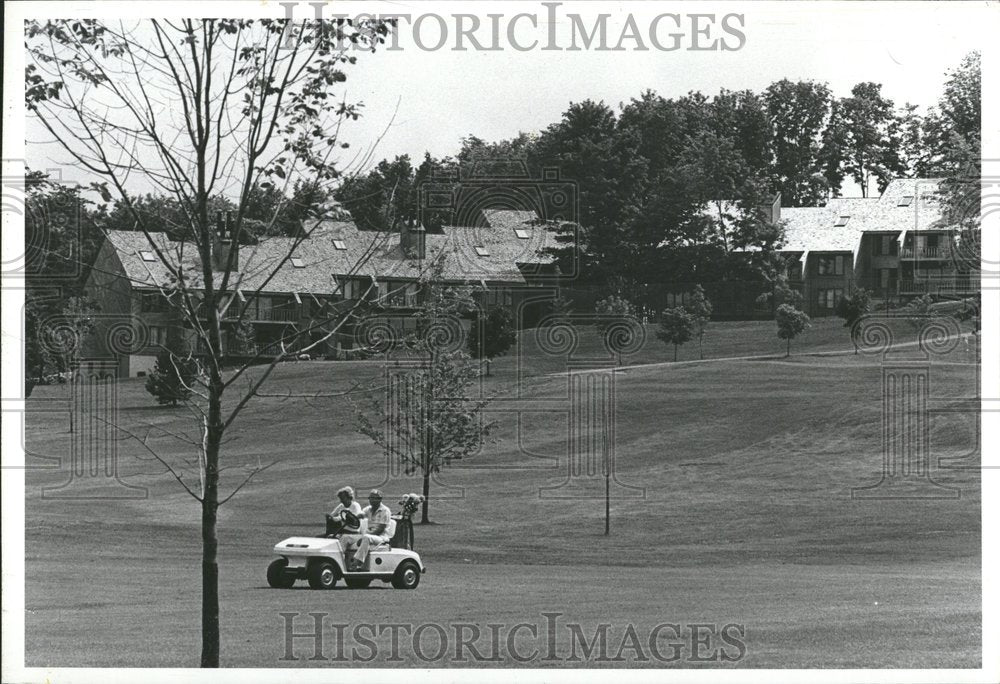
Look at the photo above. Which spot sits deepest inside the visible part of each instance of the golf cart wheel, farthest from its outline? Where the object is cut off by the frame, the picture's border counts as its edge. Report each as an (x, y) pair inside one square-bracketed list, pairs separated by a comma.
[(277, 578), (323, 575), (407, 576), (357, 582)]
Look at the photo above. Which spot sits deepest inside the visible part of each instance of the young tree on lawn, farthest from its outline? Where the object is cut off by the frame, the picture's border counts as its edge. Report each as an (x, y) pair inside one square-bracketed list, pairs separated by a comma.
[(700, 309), (199, 108), (492, 335), (60, 337), (612, 308), (852, 309), (676, 327), (439, 417), (778, 289), (172, 378), (918, 310), (791, 324), (175, 373)]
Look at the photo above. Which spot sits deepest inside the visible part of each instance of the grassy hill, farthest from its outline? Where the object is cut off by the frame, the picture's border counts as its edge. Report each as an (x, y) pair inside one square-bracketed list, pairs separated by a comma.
[(747, 467)]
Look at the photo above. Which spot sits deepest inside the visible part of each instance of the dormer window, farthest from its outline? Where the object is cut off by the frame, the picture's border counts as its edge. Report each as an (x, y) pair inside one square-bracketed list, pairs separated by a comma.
[(842, 221), (297, 262), (905, 201), (522, 234), (482, 251), (339, 244), (147, 255)]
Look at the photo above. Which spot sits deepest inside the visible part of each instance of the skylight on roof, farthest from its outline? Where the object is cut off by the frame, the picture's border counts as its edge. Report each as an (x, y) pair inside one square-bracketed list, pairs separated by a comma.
[(482, 251), (147, 255), (339, 244), (297, 262), (842, 221), (905, 201), (522, 233)]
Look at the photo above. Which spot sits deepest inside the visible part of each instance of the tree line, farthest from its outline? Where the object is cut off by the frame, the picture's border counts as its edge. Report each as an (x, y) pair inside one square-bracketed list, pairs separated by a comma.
[(646, 172)]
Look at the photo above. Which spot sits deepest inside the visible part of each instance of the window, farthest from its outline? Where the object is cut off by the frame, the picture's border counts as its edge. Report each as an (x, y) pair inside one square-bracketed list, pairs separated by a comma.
[(147, 255), (521, 233), (885, 245), (339, 244), (842, 221), (830, 265), (827, 299), (482, 251), (887, 278), (348, 288), (157, 336), (411, 294), (905, 201), (297, 262), (153, 302), (395, 292)]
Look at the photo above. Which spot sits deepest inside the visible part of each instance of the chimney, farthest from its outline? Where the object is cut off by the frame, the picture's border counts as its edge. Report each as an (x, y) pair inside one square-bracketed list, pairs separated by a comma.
[(413, 239), (771, 207), (418, 241), (226, 245)]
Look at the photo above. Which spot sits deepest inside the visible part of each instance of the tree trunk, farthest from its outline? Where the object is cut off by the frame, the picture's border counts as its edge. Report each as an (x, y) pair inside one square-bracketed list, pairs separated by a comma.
[(675, 352), (209, 533), (427, 497), (701, 349), (788, 347), (607, 498)]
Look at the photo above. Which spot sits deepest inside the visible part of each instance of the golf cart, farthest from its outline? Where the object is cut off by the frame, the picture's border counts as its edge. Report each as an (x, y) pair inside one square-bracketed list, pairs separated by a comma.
[(320, 560)]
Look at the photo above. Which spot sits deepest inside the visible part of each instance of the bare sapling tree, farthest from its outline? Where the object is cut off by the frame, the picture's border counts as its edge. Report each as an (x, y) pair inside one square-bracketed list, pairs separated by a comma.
[(197, 110), (439, 415)]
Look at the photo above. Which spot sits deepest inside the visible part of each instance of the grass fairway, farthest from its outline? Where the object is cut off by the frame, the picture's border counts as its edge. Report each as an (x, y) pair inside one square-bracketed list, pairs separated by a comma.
[(747, 518)]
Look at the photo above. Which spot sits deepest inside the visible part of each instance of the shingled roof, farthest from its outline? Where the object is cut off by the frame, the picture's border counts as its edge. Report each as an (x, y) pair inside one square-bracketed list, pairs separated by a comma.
[(816, 229), (493, 252), (908, 204), (894, 213)]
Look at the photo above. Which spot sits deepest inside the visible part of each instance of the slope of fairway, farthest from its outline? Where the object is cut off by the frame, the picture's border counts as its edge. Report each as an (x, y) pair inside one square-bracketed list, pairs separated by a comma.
[(746, 515)]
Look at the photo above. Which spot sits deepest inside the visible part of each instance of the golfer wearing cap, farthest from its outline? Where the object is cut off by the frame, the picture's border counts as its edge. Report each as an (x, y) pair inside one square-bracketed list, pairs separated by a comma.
[(378, 517)]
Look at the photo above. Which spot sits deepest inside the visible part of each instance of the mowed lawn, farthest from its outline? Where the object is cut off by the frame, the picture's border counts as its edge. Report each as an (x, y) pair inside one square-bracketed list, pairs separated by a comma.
[(746, 517)]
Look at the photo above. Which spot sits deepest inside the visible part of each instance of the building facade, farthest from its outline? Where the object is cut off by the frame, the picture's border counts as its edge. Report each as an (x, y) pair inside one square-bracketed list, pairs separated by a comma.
[(895, 245), (306, 286)]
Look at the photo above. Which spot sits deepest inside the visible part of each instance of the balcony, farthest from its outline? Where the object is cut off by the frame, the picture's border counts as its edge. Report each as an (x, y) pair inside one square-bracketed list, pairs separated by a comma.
[(940, 286), (255, 314), (924, 253)]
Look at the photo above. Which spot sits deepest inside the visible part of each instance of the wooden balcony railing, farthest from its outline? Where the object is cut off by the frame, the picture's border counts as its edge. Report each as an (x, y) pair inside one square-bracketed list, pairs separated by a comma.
[(961, 285), (254, 314), (924, 253)]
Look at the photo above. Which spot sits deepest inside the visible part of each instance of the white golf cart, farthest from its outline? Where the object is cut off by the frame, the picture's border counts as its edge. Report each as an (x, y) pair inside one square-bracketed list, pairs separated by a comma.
[(320, 560)]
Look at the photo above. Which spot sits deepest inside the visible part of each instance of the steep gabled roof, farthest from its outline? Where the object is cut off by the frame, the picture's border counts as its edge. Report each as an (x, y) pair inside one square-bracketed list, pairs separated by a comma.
[(893, 213), (492, 252), (816, 229)]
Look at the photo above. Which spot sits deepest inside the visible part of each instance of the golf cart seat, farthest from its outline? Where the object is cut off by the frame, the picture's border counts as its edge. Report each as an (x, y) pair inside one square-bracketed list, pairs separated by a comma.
[(390, 530)]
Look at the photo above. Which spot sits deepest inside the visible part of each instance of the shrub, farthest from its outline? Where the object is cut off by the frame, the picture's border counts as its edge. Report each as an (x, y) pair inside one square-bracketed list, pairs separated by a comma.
[(172, 377)]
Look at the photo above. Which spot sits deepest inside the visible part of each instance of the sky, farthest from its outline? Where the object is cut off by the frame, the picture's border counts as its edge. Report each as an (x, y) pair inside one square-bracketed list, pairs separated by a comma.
[(418, 100)]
